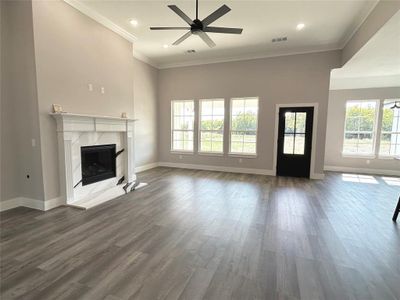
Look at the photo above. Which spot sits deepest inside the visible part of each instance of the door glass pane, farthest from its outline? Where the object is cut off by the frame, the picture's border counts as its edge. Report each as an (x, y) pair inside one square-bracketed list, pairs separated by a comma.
[(299, 144), (288, 144), (301, 122), (290, 122)]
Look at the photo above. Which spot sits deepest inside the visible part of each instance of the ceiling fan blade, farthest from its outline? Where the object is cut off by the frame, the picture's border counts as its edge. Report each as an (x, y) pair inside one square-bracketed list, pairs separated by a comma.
[(169, 28), (180, 13), (216, 15), (204, 36), (182, 38), (223, 30)]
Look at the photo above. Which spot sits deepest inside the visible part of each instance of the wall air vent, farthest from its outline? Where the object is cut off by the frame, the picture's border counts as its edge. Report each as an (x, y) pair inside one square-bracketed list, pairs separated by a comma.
[(279, 39), (191, 51)]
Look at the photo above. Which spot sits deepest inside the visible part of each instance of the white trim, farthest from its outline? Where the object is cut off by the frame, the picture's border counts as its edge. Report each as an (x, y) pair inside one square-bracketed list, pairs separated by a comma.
[(146, 167), (31, 203), (101, 19), (242, 155), (140, 56), (217, 168), (9, 204), (244, 57), (317, 176), (349, 34), (55, 202), (362, 170), (355, 155), (313, 174)]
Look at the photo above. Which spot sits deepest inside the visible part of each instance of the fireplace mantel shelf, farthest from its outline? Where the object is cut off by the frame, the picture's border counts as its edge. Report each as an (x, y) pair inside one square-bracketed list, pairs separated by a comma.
[(70, 122), (65, 114)]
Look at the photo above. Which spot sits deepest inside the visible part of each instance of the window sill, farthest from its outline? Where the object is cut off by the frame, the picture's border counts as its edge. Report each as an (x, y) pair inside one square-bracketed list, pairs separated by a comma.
[(244, 155), (388, 157), (352, 155), (181, 152), (210, 153)]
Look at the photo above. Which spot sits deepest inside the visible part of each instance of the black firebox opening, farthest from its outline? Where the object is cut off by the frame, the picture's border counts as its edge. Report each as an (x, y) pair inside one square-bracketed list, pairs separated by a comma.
[(98, 163)]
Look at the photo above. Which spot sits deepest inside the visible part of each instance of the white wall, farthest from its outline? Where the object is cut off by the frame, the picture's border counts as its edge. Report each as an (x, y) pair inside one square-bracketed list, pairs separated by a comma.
[(279, 80), (335, 131), (145, 106), (19, 114), (72, 51)]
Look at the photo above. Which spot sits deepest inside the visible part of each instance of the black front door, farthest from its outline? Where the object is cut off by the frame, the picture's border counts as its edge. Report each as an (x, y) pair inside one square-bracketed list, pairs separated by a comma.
[(294, 141)]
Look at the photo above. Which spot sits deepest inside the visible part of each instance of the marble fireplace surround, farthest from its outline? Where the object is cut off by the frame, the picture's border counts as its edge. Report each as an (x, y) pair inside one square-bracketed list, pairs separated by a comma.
[(77, 130)]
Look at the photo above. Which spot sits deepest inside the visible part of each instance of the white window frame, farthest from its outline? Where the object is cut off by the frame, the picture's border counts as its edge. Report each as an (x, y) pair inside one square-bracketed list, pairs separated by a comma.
[(242, 154), (186, 130), (217, 153), (374, 130), (381, 132)]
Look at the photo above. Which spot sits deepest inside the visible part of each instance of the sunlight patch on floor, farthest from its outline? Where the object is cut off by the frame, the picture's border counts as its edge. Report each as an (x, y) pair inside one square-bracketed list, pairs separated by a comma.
[(359, 178)]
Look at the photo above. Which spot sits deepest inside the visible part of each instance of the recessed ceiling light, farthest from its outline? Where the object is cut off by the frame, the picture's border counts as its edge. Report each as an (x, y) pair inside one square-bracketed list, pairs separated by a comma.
[(134, 22), (165, 46), (300, 26)]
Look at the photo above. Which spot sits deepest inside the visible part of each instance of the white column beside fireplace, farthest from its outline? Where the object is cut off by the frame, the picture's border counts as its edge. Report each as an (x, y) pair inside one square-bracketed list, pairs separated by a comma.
[(77, 130)]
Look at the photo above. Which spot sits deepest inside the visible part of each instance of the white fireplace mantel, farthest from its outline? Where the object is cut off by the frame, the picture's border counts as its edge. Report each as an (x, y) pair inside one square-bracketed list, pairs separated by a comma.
[(71, 126)]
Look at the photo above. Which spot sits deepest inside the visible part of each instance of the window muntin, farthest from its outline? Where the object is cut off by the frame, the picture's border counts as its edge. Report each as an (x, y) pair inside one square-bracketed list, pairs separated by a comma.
[(244, 123), (390, 130), (359, 135), (295, 133), (211, 128), (182, 112)]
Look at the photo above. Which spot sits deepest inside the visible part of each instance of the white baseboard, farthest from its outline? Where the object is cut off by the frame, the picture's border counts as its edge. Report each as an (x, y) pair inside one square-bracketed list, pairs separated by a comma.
[(317, 176), (362, 170), (9, 204), (146, 167), (31, 203), (217, 168)]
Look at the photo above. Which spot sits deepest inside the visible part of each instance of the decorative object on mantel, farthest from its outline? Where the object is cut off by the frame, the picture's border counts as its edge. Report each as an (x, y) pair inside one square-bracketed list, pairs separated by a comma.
[(57, 109), (123, 115)]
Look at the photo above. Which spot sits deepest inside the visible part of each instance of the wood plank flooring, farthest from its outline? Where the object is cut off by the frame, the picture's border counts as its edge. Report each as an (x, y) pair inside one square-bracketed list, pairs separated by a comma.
[(211, 235)]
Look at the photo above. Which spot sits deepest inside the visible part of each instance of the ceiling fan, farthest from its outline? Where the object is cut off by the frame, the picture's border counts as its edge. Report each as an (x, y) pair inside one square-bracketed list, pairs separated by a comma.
[(200, 28)]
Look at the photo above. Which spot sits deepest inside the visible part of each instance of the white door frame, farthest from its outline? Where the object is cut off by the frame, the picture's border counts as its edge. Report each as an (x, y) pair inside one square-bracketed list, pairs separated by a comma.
[(313, 175)]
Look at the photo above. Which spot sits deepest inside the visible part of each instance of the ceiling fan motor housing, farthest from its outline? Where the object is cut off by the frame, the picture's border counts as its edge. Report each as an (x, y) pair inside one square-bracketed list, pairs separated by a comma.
[(196, 26)]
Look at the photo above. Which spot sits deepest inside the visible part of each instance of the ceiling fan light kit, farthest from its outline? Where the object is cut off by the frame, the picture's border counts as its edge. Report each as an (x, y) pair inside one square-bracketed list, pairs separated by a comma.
[(200, 27)]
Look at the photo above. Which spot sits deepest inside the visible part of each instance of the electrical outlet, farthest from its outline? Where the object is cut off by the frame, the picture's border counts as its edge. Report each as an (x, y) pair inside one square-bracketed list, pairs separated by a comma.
[(90, 87)]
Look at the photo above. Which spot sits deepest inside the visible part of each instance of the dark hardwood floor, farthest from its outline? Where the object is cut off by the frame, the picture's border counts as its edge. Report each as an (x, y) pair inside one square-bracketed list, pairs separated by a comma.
[(211, 235)]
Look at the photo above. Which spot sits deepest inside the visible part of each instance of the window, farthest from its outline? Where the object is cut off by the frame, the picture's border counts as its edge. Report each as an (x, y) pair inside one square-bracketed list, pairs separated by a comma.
[(390, 132), (360, 127), (212, 113), (182, 112), (295, 133), (243, 129)]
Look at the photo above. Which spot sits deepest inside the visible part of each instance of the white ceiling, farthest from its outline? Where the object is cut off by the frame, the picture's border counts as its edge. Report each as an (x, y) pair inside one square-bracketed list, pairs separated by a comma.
[(377, 64), (329, 24)]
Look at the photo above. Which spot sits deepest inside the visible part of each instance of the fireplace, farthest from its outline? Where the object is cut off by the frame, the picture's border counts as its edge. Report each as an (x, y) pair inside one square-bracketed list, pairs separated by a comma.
[(98, 163)]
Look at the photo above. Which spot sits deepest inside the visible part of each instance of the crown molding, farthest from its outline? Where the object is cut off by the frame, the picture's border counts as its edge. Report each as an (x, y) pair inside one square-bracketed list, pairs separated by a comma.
[(245, 57), (352, 31), (101, 19), (140, 56)]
